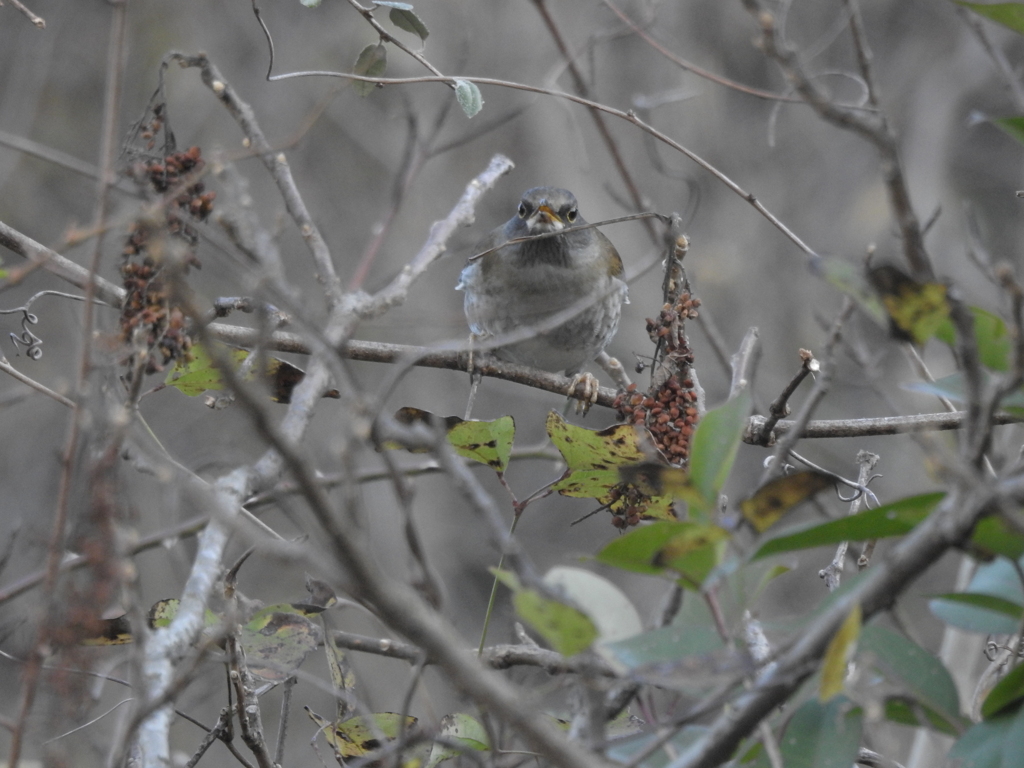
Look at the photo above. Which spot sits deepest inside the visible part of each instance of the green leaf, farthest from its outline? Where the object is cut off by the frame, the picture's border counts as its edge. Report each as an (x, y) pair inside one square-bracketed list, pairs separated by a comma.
[(995, 536), (359, 736), (904, 710), (775, 499), (1012, 126), (469, 97), (371, 62), (990, 334), (823, 735), (163, 613), (918, 673), (1010, 15), (310, 3), (838, 655), (600, 460), (894, 519), (197, 374), (604, 603), (461, 728), (663, 645), (714, 447), (566, 629), (489, 442), (943, 606), (851, 280), (405, 18), (690, 549), (277, 641), (993, 743), (594, 449), (997, 580), (916, 310), (1006, 693)]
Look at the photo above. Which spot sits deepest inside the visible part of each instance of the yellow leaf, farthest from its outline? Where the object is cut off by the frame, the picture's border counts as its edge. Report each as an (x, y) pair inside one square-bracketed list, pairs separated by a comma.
[(776, 498), (916, 310), (837, 656)]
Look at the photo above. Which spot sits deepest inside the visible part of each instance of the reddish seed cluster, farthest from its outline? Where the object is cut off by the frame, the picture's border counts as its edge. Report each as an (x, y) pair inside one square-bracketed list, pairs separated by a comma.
[(669, 411), (671, 416), (627, 504), (146, 305)]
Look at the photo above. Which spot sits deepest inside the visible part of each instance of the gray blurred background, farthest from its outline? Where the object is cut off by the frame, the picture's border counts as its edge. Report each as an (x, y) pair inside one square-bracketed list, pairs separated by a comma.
[(936, 84)]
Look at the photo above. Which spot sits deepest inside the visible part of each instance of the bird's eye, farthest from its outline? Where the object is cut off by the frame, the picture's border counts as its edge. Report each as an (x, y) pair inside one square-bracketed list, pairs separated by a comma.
[(522, 210), (571, 215)]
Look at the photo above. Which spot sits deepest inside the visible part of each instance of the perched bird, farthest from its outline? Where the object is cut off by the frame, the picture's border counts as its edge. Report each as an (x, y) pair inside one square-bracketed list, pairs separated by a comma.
[(560, 296)]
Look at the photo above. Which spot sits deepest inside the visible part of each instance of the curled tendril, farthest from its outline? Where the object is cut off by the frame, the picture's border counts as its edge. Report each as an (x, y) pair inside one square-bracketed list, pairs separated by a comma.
[(33, 344)]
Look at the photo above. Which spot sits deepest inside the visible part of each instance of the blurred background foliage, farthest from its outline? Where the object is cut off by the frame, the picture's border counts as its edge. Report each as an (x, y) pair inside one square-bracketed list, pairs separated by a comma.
[(350, 156)]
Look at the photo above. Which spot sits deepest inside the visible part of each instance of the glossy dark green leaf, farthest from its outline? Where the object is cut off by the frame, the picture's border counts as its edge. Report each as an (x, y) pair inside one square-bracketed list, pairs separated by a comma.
[(371, 62), (894, 519), (823, 735), (997, 580), (1010, 15), (714, 447), (910, 667), (905, 710), (995, 536), (993, 743), (1007, 692)]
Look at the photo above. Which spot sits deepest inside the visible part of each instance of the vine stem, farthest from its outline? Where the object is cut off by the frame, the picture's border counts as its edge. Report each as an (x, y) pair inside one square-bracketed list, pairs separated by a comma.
[(494, 588)]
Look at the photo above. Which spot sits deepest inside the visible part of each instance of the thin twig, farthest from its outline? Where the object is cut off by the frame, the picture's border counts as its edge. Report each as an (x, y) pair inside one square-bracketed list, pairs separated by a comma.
[(872, 126), (780, 405), (37, 20), (832, 573), (817, 393)]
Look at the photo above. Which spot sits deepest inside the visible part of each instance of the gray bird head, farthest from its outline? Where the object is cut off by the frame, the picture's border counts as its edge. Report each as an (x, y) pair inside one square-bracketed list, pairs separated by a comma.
[(548, 209)]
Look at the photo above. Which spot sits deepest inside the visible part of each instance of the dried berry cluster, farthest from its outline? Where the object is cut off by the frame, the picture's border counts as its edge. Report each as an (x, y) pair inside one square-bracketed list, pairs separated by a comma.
[(671, 416), (146, 307), (627, 504), (149, 131), (668, 410)]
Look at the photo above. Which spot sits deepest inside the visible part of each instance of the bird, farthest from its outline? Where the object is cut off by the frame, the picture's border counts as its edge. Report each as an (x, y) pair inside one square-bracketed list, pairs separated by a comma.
[(560, 296)]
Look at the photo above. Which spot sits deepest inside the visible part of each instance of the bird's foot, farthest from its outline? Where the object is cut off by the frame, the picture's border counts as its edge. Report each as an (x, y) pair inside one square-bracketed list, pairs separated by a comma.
[(591, 389)]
